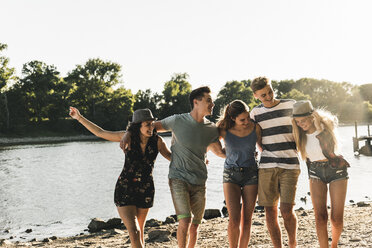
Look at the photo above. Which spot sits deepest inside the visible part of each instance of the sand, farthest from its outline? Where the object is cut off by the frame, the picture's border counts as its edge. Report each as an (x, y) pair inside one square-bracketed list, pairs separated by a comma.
[(213, 233)]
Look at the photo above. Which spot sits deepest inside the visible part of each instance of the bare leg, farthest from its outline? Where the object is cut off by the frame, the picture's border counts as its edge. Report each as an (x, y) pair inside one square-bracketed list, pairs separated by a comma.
[(272, 223), (141, 216), (290, 222), (318, 191), (337, 192), (232, 194), (128, 215), (193, 235), (249, 197), (183, 232)]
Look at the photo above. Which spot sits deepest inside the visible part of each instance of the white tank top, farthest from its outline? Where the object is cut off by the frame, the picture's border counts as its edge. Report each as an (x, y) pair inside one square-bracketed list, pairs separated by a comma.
[(313, 149)]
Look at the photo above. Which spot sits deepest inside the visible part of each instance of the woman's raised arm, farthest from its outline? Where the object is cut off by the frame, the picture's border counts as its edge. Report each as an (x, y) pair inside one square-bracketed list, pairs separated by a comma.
[(96, 130)]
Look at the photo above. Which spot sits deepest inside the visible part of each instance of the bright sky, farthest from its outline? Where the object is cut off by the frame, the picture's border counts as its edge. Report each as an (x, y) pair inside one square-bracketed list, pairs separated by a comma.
[(213, 41)]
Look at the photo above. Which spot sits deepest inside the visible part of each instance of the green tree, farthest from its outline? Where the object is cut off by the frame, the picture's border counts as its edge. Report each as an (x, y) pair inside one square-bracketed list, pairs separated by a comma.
[(117, 109), (92, 85), (7, 76), (324, 93), (176, 96), (283, 87), (38, 85), (296, 95), (365, 91), (148, 99)]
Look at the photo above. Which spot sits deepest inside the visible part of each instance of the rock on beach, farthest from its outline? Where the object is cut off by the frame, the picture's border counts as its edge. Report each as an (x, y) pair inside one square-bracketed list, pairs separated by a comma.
[(213, 233)]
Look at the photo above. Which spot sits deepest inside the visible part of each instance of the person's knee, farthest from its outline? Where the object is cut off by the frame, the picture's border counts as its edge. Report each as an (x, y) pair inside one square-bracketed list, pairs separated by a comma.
[(134, 230), (321, 217), (247, 221), (184, 222), (194, 228), (271, 211), (287, 213), (337, 221)]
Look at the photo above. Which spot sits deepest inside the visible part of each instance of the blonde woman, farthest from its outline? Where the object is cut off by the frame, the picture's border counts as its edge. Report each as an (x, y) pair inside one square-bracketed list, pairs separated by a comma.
[(240, 175), (313, 131)]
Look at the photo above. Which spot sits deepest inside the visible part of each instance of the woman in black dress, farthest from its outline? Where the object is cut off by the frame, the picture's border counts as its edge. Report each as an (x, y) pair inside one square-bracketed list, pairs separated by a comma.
[(134, 190)]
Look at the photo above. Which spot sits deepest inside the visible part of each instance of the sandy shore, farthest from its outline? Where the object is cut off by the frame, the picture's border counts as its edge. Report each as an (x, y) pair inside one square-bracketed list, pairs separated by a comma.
[(213, 233)]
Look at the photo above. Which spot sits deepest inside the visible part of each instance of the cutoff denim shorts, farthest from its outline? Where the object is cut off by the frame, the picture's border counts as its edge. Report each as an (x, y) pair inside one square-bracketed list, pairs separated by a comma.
[(241, 176), (325, 172), (188, 200)]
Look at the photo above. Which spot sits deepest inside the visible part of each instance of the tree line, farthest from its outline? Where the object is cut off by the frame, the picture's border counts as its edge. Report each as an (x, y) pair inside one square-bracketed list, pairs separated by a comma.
[(40, 97)]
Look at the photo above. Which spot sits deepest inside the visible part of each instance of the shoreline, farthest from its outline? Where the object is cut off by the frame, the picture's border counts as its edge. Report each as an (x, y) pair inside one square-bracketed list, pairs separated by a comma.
[(13, 141), (213, 233)]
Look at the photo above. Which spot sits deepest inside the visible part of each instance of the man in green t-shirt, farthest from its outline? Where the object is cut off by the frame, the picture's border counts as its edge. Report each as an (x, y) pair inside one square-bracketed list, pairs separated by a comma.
[(192, 136)]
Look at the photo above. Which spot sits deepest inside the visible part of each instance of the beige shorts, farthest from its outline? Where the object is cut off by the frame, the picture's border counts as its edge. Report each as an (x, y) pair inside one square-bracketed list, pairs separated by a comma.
[(275, 183), (188, 200)]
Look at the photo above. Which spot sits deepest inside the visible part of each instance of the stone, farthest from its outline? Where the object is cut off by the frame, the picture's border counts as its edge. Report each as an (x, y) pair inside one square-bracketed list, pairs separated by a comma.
[(224, 211), (355, 239), (256, 223), (113, 223), (211, 214), (169, 220), (96, 225), (4, 242), (117, 231), (153, 223), (304, 214), (28, 230), (363, 204), (158, 235)]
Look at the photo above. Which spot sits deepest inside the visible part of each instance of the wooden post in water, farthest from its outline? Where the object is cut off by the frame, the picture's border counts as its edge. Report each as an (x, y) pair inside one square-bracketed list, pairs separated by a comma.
[(355, 139), (368, 131)]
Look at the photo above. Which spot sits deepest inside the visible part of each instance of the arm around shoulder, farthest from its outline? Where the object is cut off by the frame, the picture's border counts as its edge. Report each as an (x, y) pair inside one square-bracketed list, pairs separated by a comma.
[(217, 149), (259, 137), (163, 149)]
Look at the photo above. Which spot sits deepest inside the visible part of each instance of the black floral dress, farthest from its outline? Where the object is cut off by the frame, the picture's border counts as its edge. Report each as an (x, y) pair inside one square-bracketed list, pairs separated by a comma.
[(135, 185)]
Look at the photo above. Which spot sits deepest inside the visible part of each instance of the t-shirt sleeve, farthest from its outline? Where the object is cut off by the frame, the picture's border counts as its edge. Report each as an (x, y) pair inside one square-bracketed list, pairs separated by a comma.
[(216, 135), (252, 115), (169, 122)]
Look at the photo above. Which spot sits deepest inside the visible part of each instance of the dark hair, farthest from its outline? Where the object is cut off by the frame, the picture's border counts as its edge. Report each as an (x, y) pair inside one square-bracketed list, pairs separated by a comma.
[(135, 135), (198, 94), (259, 83), (230, 112)]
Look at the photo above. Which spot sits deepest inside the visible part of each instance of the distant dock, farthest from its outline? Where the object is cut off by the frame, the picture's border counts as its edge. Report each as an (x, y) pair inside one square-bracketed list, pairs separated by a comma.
[(367, 148)]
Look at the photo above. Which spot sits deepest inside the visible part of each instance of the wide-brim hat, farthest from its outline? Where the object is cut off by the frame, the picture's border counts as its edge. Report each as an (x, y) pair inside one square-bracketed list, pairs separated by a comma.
[(302, 108), (141, 115)]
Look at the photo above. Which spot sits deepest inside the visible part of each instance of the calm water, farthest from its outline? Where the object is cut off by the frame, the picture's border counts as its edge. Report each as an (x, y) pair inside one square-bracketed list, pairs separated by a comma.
[(56, 189)]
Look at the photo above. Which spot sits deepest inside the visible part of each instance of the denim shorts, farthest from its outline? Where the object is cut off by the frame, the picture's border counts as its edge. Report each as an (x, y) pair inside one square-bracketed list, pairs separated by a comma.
[(326, 173), (241, 176), (188, 200)]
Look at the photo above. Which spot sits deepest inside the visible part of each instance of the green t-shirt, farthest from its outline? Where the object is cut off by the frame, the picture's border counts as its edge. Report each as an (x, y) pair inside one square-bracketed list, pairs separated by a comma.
[(190, 140)]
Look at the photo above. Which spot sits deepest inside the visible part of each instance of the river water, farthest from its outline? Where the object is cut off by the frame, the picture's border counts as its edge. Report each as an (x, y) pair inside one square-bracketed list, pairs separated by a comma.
[(56, 189)]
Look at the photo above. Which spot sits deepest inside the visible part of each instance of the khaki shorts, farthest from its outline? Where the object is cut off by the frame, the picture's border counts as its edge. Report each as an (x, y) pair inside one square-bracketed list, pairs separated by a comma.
[(188, 200), (277, 182)]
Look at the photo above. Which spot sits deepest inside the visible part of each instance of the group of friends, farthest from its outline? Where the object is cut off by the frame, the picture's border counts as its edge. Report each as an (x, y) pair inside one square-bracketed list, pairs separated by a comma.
[(280, 129)]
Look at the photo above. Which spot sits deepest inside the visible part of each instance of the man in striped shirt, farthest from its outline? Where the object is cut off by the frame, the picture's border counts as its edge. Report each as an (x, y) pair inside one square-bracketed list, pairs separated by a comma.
[(279, 165)]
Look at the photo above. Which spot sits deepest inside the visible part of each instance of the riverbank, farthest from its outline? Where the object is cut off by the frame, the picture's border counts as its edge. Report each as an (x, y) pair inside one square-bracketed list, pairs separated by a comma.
[(11, 141), (213, 233)]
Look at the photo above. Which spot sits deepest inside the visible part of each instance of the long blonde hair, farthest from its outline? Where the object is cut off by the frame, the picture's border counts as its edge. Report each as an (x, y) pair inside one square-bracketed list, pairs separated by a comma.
[(323, 120)]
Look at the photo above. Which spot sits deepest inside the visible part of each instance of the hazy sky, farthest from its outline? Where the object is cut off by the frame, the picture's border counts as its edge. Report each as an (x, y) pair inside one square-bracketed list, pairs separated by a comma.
[(213, 41)]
